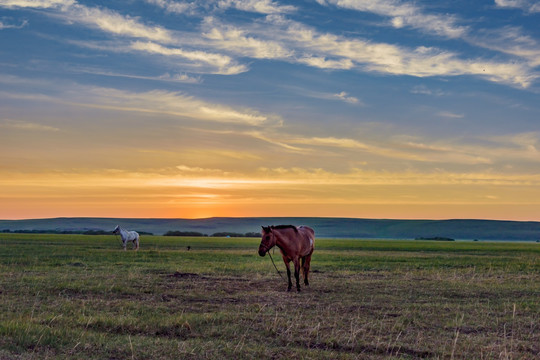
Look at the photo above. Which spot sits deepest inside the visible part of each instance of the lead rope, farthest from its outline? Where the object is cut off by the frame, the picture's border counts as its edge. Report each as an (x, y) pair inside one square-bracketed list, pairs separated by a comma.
[(279, 273)]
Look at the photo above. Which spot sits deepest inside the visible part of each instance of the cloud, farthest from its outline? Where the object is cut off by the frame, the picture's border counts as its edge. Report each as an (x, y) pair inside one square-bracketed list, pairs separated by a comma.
[(520, 150), (180, 78), (234, 39), (424, 90), (5, 25), (191, 170), (525, 5), (257, 6), (115, 23), (26, 126), (422, 61), (183, 78), (341, 96), (360, 177), (104, 19), (254, 6), (295, 42), (40, 4), (172, 104), (347, 98), (393, 147), (515, 148), (450, 115), (152, 37), (323, 62), (175, 7), (509, 40), (221, 64), (405, 15), (277, 38)]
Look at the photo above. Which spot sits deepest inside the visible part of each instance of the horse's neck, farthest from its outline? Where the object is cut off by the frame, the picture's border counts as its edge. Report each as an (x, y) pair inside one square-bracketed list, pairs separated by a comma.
[(279, 240), (123, 232)]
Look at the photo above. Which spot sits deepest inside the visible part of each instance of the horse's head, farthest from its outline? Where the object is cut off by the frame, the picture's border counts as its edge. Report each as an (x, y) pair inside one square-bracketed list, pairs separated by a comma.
[(268, 240), (116, 230)]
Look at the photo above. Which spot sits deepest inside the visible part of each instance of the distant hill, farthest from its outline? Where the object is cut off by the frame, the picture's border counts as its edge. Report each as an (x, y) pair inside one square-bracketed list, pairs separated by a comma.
[(324, 227)]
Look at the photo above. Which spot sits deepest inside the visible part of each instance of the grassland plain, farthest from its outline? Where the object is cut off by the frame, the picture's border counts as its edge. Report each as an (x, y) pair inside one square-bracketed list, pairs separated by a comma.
[(82, 297)]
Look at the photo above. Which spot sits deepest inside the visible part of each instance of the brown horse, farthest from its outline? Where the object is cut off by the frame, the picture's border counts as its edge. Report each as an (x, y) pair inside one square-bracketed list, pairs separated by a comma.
[(295, 244)]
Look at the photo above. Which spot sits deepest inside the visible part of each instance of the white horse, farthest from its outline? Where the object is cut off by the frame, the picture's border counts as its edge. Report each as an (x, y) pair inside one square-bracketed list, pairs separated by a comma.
[(127, 236)]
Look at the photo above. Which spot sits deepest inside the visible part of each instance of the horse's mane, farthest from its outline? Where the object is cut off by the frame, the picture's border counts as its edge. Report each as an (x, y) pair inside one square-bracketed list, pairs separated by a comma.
[(285, 227)]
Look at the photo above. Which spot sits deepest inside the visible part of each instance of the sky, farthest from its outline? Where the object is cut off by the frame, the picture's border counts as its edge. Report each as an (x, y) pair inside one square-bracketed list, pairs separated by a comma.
[(340, 108)]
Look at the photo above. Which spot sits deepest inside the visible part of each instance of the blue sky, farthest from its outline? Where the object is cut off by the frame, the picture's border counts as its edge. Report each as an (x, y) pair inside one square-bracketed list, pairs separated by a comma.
[(378, 108)]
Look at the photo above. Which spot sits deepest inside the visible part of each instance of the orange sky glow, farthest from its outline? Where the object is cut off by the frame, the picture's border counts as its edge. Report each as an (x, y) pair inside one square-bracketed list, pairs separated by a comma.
[(286, 193)]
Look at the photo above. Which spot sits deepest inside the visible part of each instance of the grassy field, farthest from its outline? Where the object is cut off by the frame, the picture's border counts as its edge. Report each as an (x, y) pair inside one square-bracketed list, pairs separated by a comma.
[(82, 297)]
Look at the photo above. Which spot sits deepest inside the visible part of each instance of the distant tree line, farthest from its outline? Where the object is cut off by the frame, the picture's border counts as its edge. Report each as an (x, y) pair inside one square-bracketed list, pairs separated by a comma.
[(79, 232), (183, 233), (218, 234), (435, 238), (105, 232)]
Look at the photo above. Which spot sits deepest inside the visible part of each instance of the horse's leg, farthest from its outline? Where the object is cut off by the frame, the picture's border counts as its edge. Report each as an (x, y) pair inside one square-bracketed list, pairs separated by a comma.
[(137, 243), (124, 244), (305, 262), (288, 273), (297, 272)]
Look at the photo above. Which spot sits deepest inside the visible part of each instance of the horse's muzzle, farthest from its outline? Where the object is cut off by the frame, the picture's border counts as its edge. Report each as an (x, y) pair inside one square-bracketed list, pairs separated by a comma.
[(262, 252)]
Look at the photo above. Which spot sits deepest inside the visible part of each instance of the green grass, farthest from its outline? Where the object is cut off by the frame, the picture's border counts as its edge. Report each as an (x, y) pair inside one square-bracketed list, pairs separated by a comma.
[(82, 297)]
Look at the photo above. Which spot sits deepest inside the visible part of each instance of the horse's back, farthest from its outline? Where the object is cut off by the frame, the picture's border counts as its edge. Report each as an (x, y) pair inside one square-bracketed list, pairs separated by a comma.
[(307, 230), (308, 234), (133, 235)]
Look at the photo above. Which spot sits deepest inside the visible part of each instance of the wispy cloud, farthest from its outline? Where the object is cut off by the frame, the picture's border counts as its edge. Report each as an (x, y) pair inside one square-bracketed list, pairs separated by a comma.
[(396, 60), (278, 38), (237, 40), (37, 3), (172, 104), (525, 5), (507, 40), (298, 43), (344, 96), (404, 14), (171, 6), (521, 150), (341, 96), (6, 23), (114, 23), (450, 115), (25, 125), (184, 78), (258, 6), (104, 19), (158, 102), (180, 78), (254, 6), (424, 90), (222, 64)]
